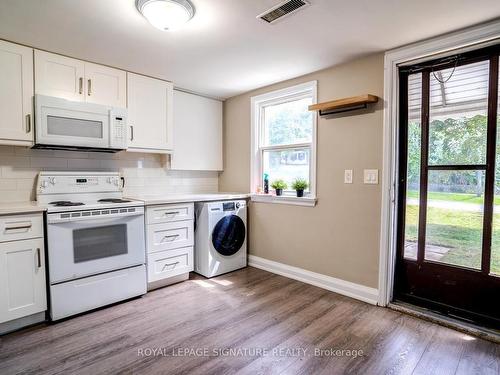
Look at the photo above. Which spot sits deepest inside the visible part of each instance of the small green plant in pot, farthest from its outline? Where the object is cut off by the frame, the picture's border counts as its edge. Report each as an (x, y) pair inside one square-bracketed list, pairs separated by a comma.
[(299, 185), (278, 186)]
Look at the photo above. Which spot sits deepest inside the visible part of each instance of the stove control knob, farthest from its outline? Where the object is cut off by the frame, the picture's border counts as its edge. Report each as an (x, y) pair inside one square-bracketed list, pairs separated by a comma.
[(115, 182), (44, 184), (52, 180)]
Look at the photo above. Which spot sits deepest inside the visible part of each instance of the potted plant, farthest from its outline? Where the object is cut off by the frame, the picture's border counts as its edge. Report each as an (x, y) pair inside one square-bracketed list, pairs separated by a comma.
[(299, 185), (278, 186)]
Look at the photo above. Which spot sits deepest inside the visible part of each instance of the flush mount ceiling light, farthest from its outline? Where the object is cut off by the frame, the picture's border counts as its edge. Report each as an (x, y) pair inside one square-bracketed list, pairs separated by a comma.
[(166, 14)]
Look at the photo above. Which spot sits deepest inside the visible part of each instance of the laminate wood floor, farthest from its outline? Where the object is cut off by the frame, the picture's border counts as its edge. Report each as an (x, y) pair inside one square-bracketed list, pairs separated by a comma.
[(246, 322)]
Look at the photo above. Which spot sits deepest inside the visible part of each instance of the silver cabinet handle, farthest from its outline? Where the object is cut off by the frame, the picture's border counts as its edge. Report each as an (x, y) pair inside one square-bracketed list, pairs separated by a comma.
[(172, 213), (89, 87), (169, 264), (131, 133), (15, 227), (38, 258), (28, 123), (174, 236), (80, 83)]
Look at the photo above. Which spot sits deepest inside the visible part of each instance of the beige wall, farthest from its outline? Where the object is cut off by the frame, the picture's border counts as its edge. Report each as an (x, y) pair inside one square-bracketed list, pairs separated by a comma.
[(340, 236)]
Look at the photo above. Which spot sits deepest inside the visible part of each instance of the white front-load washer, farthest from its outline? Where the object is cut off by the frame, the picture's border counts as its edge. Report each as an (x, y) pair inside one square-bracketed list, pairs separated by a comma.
[(220, 237)]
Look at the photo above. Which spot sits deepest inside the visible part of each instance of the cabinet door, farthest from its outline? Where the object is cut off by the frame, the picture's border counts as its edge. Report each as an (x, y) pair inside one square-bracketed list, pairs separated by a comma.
[(59, 76), (104, 85), (197, 133), (149, 114), (16, 94), (22, 279)]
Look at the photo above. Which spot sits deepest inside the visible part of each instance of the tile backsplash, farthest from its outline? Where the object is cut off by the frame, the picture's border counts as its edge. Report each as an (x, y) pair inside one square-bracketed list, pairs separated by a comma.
[(144, 173)]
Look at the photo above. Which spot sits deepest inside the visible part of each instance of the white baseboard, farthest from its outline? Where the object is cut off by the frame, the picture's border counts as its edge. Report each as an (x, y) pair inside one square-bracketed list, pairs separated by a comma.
[(346, 288)]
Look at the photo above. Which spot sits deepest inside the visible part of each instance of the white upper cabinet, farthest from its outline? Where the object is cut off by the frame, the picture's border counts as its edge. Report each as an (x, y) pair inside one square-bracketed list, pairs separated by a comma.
[(197, 133), (149, 114), (16, 94), (77, 80), (59, 76), (105, 85)]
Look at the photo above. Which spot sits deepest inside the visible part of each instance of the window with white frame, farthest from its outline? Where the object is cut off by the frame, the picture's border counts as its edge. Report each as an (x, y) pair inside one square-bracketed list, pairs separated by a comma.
[(284, 137)]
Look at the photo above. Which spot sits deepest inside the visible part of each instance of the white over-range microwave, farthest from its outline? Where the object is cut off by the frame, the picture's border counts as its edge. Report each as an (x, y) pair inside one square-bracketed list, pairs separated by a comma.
[(68, 125)]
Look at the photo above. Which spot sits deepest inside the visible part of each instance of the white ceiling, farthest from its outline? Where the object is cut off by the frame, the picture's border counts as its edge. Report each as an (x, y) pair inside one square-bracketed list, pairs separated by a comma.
[(224, 50)]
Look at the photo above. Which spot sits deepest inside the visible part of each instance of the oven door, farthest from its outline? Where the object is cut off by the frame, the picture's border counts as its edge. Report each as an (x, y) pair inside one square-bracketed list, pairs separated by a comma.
[(61, 122), (89, 246)]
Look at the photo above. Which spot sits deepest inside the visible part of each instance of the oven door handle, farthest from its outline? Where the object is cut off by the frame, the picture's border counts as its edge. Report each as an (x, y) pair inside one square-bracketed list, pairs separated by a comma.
[(99, 220)]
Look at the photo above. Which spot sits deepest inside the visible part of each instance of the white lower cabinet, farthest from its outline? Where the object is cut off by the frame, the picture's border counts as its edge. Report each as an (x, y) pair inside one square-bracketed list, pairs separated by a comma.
[(22, 279), (167, 236), (170, 263), (169, 243)]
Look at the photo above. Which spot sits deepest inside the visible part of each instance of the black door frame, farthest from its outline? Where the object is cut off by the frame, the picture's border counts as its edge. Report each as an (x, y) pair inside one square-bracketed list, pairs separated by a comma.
[(446, 288)]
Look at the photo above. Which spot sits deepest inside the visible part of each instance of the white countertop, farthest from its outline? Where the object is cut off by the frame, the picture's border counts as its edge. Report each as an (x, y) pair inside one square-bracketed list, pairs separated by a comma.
[(20, 208), (12, 208), (183, 198)]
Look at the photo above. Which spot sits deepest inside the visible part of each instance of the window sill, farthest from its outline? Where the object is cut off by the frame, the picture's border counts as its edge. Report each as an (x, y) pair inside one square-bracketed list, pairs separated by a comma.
[(284, 199)]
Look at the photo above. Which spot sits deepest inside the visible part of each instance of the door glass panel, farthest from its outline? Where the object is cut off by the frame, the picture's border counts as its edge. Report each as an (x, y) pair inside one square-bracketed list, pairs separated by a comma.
[(72, 127), (413, 165), (455, 205), (458, 114), (99, 242), (495, 240)]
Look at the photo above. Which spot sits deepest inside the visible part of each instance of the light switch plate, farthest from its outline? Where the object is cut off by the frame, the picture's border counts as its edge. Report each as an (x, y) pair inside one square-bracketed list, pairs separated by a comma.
[(348, 176), (371, 176)]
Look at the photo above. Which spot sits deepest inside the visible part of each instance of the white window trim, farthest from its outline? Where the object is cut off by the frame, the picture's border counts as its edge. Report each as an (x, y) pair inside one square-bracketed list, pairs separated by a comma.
[(468, 39), (256, 105)]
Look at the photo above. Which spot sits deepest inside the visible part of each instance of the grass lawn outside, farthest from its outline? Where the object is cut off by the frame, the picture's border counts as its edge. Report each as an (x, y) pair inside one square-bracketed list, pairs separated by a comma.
[(454, 197), (460, 231)]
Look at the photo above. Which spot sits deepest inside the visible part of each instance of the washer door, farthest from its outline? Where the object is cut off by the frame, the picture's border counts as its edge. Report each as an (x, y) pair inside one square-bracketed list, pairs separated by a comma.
[(228, 235)]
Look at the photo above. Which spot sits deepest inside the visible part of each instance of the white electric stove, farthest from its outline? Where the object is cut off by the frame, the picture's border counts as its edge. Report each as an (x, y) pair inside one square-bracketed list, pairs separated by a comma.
[(95, 239)]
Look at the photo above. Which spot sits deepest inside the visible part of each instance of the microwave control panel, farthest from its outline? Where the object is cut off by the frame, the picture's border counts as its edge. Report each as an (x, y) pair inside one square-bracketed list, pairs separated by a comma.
[(118, 131)]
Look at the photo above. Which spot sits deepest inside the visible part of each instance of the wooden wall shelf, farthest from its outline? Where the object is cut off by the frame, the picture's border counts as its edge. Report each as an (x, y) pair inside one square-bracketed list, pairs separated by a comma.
[(344, 105)]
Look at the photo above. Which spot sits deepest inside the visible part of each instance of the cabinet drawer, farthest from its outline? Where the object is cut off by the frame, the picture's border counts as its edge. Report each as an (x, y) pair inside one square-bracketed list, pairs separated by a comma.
[(20, 227), (168, 236), (167, 264), (170, 213)]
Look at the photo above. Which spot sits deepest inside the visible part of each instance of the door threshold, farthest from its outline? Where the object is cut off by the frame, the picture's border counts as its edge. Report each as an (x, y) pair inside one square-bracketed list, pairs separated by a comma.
[(446, 321)]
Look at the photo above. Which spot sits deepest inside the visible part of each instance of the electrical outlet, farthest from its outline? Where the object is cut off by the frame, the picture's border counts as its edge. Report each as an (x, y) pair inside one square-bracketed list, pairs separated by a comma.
[(348, 176), (371, 176)]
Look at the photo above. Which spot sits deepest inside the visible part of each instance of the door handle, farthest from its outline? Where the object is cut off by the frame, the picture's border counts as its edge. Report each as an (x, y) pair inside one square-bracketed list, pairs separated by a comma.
[(38, 258), (89, 87), (172, 213), (28, 123), (80, 85), (131, 133)]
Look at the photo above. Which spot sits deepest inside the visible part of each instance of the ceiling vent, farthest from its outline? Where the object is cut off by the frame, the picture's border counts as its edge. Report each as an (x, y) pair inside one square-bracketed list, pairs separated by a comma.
[(285, 8)]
